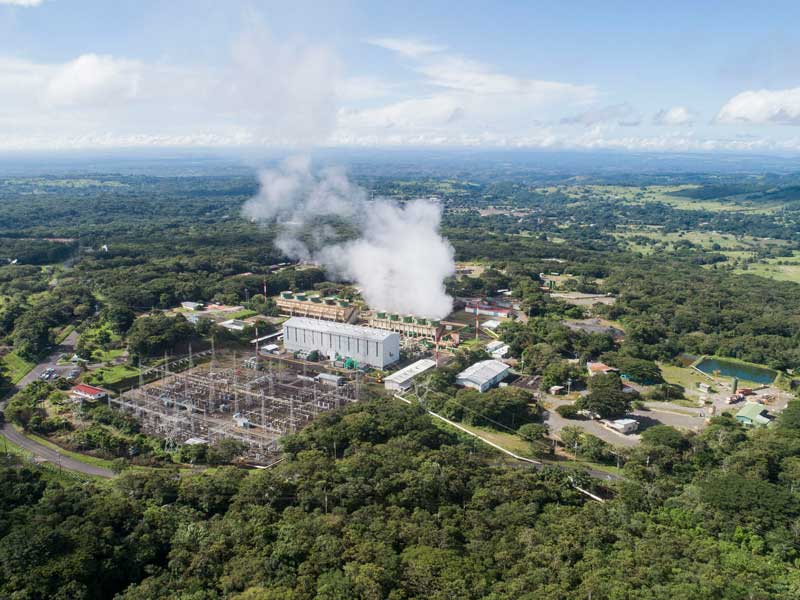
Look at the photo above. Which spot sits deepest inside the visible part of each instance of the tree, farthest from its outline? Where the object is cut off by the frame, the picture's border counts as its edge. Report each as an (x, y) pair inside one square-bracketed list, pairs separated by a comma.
[(534, 434), (606, 397)]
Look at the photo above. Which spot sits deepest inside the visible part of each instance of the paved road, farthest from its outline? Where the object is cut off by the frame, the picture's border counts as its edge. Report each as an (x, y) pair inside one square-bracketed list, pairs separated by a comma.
[(50, 455), (35, 448)]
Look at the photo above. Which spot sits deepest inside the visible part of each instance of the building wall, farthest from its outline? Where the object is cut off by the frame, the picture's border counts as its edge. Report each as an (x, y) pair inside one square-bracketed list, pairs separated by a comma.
[(361, 349), (486, 385)]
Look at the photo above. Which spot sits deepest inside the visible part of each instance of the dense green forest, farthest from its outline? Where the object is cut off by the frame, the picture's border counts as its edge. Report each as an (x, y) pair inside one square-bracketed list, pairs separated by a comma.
[(404, 509)]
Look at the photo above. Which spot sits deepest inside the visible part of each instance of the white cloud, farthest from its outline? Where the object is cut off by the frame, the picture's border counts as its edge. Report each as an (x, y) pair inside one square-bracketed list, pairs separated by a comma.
[(92, 79), (762, 106), (25, 3), (677, 115), (408, 47), (458, 99)]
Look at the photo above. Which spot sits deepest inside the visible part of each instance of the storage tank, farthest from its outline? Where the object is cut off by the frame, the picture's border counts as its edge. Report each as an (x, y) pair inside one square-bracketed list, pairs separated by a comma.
[(287, 295)]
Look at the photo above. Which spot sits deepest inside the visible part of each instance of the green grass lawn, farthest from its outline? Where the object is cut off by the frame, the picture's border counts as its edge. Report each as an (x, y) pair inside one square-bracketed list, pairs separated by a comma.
[(771, 270), (15, 366), (111, 375), (242, 314), (107, 355)]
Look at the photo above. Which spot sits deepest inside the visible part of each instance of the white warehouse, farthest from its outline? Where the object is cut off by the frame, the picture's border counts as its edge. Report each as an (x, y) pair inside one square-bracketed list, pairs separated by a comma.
[(401, 380), (365, 345), (483, 375)]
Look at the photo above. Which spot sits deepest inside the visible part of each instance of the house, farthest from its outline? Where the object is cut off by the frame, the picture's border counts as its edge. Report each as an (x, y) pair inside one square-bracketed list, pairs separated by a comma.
[(192, 305), (598, 368), (753, 414), (556, 390), (491, 324), (233, 325), (625, 426), (269, 349), (87, 392), (483, 375)]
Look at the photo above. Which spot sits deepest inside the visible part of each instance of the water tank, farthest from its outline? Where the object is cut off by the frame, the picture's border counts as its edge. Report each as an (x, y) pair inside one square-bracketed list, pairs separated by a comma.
[(287, 295)]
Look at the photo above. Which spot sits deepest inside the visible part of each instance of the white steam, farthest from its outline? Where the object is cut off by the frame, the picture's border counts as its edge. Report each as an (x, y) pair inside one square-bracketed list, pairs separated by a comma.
[(395, 255)]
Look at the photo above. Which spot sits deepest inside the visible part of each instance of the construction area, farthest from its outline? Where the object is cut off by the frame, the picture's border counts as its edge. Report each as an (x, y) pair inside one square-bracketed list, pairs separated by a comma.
[(254, 401)]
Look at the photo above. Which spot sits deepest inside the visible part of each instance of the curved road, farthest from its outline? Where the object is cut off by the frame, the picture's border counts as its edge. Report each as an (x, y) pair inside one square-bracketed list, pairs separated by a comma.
[(38, 450)]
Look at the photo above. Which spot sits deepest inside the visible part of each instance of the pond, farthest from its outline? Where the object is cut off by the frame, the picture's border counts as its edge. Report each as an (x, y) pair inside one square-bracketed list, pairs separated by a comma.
[(744, 371)]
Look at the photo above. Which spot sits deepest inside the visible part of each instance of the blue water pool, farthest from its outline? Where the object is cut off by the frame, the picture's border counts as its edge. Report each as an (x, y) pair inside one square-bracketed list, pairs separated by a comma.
[(744, 372)]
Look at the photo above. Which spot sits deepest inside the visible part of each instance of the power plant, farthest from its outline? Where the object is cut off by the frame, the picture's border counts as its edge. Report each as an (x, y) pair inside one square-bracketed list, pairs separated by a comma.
[(331, 308)]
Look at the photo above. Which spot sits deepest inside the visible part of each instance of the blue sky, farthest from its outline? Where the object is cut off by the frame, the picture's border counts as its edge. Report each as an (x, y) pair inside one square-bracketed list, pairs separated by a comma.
[(626, 75)]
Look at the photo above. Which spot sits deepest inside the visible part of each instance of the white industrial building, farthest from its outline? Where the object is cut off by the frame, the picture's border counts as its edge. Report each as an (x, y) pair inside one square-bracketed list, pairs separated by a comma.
[(365, 345), (401, 380), (483, 375)]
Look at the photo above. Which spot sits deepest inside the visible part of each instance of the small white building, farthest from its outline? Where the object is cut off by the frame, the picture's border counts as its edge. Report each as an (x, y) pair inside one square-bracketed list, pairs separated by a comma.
[(483, 375), (233, 325), (87, 392), (330, 379), (625, 426), (497, 349), (401, 380)]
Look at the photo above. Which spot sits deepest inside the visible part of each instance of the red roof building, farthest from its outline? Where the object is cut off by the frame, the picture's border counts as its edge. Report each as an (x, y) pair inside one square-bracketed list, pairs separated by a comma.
[(88, 391)]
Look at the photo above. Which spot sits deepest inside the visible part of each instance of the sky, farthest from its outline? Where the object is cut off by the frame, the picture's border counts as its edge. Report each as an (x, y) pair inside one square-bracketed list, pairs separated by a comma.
[(625, 75)]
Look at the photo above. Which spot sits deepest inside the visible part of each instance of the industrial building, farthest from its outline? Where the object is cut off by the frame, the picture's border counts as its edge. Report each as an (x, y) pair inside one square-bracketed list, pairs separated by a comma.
[(402, 379), (483, 375), (330, 308), (365, 345), (406, 325)]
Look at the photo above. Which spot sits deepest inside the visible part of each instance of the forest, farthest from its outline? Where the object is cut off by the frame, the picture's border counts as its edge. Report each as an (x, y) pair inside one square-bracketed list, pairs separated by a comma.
[(403, 509)]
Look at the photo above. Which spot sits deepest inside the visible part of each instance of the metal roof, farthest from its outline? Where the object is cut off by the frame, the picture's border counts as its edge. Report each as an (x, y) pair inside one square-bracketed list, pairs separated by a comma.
[(356, 331), (483, 371), (407, 373), (753, 411)]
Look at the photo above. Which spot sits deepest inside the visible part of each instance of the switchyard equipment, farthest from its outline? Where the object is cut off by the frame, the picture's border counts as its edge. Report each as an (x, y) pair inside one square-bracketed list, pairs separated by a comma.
[(341, 341), (330, 308), (254, 402)]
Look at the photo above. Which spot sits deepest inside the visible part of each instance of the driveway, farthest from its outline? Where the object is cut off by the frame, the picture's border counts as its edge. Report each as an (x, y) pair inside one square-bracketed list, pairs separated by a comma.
[(35, 448)]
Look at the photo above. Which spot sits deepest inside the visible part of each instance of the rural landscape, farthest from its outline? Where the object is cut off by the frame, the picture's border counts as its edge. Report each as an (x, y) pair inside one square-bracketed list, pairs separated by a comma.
[(419, 301)]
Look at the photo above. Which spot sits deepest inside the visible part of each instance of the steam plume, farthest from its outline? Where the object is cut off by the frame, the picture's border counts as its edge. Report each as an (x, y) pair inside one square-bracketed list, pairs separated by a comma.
[(396, 255)]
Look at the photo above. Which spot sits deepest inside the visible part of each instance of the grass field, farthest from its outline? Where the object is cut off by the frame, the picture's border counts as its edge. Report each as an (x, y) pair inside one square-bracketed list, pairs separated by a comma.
[(15, 366), (772, 270), (110, 375)]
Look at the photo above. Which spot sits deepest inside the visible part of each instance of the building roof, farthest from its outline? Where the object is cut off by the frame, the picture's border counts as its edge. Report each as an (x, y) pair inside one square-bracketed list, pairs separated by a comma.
[(82, 388), (491, 324), (623, 422), (753, 411), (407, 373), (598, 367), (484, 371), (357, 331)]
